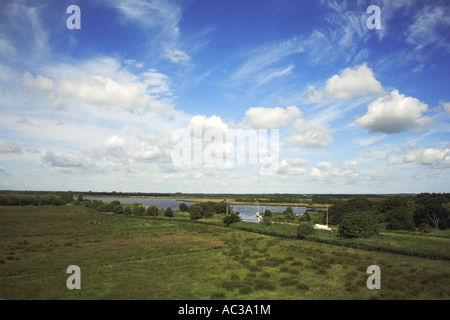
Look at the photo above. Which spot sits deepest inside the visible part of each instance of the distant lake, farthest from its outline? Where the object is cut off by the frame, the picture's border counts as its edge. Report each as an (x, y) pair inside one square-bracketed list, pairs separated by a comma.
[(246, 211)]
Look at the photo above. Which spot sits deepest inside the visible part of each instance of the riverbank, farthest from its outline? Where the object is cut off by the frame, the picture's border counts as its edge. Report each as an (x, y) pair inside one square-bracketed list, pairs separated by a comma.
[(267, 204)]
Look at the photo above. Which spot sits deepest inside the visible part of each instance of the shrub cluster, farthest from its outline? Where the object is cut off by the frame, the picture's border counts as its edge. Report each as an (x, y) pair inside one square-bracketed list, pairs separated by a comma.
[(53, 200), (358, 225), (231, 218), (304, 229), (399, 212)]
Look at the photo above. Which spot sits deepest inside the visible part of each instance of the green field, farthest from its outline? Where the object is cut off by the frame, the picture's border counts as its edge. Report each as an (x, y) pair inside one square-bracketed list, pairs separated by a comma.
[(157, 258)]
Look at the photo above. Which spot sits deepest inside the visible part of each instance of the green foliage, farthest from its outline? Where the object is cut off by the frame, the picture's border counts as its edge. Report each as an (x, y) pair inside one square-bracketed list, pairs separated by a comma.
[(211, 207), (400, 219), (304, 229), (305, 217), (67, 197), (432, 209), (118, 209), (289, 214), (266, 221), (267, 213), (267, 267), (138, 211), (127, 211), (425, 228), (168, 212), (358, 225), (391, 203), (221, 207), (183, 207), (105, 207), (12, 200), (195, 212), (339, 210), (152, 211), (102, 208), (321, 200), (231, 218)]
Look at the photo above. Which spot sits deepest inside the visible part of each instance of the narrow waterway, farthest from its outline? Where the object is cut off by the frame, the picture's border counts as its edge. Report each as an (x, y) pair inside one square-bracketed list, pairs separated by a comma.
[(247, 212)]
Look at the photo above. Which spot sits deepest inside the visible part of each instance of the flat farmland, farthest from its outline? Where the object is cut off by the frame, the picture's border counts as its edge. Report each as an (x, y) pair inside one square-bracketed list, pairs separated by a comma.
[(156, 258)]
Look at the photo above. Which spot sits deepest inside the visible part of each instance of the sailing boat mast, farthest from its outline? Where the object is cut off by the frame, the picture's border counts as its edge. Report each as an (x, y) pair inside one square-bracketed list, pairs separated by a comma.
[(327, 216)]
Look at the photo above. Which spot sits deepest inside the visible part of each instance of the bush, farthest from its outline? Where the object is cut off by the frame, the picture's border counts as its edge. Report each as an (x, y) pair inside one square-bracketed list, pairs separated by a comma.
[(400, 219), (118, 210), (266, 221), (304, 229), (425, 228), (139, 210), (127, 211), (168, 212), (152, 211), (101, 208), (183, 207), (358, 225), (268, 213), (232, 218), (289, 214), (340, 209), (305, 217), (195, 212)]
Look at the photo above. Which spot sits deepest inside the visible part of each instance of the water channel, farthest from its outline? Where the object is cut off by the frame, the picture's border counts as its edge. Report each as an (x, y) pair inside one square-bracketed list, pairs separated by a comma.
[(246, 211)]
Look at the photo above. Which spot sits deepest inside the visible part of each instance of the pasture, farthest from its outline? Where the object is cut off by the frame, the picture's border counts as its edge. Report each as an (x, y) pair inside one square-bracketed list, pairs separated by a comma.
[(158, 258)]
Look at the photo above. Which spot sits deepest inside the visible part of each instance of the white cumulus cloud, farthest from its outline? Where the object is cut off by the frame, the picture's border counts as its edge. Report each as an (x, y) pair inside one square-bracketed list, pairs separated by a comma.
[(271, 118), (395, 113), (309, 134), (352, 82)]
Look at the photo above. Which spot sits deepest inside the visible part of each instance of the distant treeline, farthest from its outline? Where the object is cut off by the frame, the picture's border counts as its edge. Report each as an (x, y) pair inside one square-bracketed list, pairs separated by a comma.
[(250, 198), (398, 212), (34, 200)]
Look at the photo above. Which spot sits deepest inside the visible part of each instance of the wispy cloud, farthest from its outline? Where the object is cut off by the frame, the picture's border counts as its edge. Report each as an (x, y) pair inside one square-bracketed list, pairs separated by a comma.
[(155, 13), (10, 147), (28, 40), (430, 29), (258, 61), (175, 55), (160, 16), (340, 37)]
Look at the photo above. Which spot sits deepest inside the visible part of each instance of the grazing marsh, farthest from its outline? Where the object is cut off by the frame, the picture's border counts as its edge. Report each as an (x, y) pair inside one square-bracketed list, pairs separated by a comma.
[(157, 258)]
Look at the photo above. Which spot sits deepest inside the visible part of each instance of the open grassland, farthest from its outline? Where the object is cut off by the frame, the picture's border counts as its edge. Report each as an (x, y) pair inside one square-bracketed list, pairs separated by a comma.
[(127, 257), (435, 245)]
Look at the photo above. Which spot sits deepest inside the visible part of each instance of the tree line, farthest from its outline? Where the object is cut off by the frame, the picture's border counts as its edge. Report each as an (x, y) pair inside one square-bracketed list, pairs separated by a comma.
[(421, 211), (34, 200)]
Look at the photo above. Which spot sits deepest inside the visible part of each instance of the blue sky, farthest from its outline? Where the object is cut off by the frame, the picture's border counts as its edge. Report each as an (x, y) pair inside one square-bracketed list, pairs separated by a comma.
[(356, 110)]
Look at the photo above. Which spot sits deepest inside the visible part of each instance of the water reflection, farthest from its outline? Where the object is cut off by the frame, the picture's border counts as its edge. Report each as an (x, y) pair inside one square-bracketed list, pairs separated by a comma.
[(247, 212)]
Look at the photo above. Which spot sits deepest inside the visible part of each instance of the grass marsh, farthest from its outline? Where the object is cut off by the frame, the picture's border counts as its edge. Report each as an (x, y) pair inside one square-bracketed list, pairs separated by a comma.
[(126, 257)]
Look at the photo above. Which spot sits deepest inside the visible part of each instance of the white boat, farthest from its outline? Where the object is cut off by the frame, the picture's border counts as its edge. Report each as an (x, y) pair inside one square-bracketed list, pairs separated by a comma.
[(257, 213), (321, 227)]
